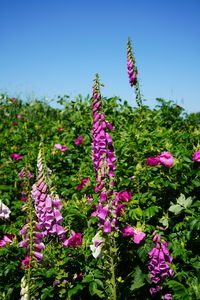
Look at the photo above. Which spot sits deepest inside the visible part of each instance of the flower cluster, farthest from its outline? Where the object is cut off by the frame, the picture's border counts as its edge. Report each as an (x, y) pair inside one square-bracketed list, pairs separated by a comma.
[(4, 211), (103, 150), (48, 206), (131, 67), (33, 244), (165, 158), (196, 156), (158, 264), (47, 203)]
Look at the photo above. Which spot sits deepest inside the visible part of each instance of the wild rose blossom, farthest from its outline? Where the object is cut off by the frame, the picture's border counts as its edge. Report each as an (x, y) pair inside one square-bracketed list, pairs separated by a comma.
[(74, 241), (165, 158), (196, 156), (15, 156), (158, 264), (153, 161), (4, 211), (79, 140), (138, 235), (83, 183), (60, 147)]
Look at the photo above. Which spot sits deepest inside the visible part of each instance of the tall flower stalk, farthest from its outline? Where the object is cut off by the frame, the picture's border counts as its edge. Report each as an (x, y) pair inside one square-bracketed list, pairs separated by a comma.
[(111, 204), (133, 72)]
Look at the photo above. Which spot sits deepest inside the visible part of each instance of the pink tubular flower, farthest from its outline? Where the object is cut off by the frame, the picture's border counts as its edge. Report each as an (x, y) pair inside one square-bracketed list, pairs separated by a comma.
[(6, 239), (196, 156), (83, 183), (125, 196), (25, 262), (13, 100), (60, 147), (15, 156), (166, 159), (152, 161), (79, 140), (74, 241)]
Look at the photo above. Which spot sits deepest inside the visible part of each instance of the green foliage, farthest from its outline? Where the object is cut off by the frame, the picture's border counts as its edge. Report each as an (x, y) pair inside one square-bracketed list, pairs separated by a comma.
[(163, 199)]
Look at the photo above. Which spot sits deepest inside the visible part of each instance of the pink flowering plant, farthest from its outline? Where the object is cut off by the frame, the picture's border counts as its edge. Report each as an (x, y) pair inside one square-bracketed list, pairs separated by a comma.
[(126, 222)]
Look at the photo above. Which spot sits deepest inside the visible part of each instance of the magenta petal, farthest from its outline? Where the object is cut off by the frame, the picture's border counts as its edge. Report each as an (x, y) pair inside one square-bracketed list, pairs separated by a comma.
[(107, 227), (138, 237)]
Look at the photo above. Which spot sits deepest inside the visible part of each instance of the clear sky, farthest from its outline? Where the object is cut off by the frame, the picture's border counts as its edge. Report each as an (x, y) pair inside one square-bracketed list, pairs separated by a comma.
[(55, 47)]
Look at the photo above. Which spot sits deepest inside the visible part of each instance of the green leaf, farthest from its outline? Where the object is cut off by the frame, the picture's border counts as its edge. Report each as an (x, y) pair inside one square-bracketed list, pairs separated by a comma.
[(184, 202), (151, 211), (138, 279), (179, 290), (176, 209), (75, 290)]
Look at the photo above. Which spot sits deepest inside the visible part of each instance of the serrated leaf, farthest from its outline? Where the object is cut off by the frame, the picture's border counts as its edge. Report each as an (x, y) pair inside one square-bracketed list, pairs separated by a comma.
[(181, 199), (138, 279), (176, 209)]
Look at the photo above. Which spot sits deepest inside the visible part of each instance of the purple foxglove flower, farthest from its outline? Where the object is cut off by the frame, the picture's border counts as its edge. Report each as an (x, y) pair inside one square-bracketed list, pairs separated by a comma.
[(107, 227), (103, 197), (102, 213)]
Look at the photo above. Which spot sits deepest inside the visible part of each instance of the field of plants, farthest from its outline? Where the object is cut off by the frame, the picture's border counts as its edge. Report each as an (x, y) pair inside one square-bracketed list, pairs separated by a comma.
[(99, 199)]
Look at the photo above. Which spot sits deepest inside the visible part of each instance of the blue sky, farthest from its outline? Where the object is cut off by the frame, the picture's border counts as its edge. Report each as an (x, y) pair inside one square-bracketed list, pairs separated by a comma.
[(50, 48)]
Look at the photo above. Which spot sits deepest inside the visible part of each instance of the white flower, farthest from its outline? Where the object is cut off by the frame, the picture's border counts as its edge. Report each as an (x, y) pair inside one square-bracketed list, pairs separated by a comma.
[(97, 245), (4, 211)]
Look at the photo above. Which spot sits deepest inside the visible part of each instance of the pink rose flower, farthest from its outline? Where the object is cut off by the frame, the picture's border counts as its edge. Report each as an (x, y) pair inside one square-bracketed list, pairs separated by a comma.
[(74, 241), (79, 140), (152, 161), (196, 156), (83, 183), (166, 159), (60, 147), (15, 156)]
